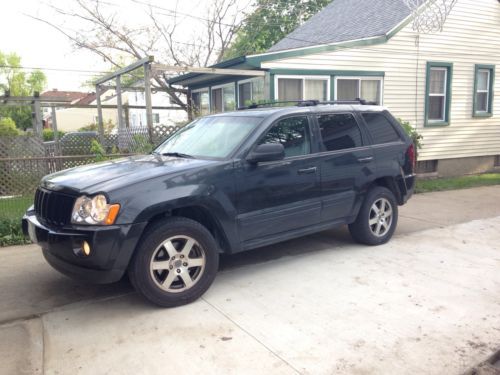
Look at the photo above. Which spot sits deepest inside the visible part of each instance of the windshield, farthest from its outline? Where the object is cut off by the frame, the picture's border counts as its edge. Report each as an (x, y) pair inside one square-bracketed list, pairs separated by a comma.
[(215, 137)]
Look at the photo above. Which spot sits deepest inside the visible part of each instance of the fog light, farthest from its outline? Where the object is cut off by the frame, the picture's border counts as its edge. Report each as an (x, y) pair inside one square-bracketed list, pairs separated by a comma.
[(86, 248)]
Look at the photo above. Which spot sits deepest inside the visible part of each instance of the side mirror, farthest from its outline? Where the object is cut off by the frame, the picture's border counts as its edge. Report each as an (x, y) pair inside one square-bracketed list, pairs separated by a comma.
[(266, 152)]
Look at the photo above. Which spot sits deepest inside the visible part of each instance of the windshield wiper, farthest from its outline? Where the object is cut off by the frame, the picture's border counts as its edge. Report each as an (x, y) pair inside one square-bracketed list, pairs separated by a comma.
[(177, 154)]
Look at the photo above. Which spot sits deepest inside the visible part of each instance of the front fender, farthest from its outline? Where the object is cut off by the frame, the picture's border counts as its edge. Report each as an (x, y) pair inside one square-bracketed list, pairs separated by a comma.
[(145, 204)]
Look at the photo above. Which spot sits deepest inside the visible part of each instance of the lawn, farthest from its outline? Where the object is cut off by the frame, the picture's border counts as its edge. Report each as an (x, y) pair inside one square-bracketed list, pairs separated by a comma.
[(11, 211), (14, 208), (454, 183)]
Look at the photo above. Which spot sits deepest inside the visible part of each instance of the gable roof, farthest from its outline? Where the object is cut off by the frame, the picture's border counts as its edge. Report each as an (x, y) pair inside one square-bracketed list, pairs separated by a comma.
[(346, 20), (70, 96)]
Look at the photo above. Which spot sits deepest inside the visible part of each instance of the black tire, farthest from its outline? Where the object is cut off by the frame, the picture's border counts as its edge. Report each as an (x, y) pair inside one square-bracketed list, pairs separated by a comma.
[(362, 231), (146, 280)]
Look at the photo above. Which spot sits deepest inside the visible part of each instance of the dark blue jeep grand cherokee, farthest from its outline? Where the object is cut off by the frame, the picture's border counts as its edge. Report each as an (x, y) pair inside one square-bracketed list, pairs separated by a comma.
[(223, 184)]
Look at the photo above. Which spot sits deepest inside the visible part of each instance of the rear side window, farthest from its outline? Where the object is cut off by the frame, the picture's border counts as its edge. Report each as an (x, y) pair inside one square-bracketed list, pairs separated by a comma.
[(339, 131), (380, 128)]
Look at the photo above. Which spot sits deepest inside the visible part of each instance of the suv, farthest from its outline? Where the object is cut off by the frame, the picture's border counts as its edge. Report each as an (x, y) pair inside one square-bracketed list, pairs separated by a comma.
[(225, 183)]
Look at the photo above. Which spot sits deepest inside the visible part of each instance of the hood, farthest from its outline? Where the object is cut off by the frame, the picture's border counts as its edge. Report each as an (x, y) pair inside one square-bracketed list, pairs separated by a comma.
[(117, 173)]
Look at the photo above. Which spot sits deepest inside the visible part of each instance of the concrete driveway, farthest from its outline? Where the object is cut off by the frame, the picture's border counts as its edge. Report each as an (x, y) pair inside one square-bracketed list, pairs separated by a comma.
[(427, 302)]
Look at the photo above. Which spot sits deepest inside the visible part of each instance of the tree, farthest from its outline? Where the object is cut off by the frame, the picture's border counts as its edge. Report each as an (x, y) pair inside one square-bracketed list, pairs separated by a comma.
[(102, 32), (15, 80), (270, 22), (8, 127)]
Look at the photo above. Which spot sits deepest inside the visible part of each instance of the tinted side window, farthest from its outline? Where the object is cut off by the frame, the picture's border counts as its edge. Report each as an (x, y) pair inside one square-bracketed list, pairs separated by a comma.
[(339, 131), (292, 133), (380, 128)]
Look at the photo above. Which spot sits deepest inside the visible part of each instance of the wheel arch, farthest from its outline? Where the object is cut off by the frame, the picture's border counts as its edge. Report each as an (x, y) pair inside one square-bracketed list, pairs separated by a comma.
[(201, 214), (389, 183)]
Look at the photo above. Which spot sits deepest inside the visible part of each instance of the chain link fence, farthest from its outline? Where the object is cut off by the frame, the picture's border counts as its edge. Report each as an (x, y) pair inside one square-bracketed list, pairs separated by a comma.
[(25, 159)]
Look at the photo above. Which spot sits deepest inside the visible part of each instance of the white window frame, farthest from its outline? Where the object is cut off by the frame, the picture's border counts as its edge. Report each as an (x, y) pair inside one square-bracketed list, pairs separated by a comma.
[(303, 77), (231, 84), (487, 91), (444, 95), (207, 90), (361, 78), (249, 80)]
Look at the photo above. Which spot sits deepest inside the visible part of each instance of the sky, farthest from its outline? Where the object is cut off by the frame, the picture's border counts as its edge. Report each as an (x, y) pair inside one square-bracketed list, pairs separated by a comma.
[(41, 46)]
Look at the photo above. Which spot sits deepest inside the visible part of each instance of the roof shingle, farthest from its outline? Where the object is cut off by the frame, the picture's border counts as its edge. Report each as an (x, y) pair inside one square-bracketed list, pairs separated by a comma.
[(345, 20)]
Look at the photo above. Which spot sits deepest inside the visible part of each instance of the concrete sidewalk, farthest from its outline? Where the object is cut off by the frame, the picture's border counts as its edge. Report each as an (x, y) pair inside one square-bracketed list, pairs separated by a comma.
[(427, 302)]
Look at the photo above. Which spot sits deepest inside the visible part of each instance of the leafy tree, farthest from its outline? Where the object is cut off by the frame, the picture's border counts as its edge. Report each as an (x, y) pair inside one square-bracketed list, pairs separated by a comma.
[(270, 22), (19, 83), (8, 127)]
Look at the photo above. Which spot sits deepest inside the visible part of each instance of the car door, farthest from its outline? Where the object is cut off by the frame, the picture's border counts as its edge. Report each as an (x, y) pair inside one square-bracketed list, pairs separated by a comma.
[(280, 196), (347, 164)]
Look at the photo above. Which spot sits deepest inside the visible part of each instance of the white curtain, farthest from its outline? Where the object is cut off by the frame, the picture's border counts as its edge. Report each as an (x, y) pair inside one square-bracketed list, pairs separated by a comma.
[(370, 90), (315, 89), (289, 89)]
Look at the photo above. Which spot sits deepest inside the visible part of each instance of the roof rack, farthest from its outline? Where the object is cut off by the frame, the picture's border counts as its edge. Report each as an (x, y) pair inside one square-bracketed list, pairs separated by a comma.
[(307, 103)]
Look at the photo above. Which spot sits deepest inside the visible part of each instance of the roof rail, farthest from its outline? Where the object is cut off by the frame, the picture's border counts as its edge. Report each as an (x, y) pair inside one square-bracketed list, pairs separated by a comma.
[(299, 103), (307, 103)]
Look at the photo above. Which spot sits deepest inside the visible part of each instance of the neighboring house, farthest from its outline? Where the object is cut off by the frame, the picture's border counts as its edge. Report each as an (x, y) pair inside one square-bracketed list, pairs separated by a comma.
[(443, 83), (72, 119), (137, 117)]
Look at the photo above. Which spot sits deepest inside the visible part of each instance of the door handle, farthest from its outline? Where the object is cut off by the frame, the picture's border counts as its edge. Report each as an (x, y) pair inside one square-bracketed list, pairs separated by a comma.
[(307, 170), (365, 160)]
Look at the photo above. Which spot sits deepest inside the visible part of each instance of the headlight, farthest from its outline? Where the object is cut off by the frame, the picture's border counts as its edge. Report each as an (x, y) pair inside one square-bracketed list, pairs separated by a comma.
[(94, 211)]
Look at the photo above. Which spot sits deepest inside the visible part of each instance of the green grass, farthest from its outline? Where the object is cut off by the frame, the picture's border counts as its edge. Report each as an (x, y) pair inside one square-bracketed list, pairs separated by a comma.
[(11, 212), (13, 208), (454, 183)]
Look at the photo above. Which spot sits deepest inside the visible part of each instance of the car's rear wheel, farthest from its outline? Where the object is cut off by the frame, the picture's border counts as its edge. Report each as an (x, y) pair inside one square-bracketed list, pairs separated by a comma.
[(176, 262), (377, 218)]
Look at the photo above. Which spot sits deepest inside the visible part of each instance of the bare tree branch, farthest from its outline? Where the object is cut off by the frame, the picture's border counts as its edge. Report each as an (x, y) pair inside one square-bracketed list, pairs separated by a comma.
[(103, 34)]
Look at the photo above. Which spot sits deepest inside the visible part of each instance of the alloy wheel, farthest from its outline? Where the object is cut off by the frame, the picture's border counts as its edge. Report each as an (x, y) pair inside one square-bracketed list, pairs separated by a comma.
[(177, 264)]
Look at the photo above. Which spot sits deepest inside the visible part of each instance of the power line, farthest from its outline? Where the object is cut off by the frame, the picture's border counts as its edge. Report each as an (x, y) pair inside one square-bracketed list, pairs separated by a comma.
[(54, 69)]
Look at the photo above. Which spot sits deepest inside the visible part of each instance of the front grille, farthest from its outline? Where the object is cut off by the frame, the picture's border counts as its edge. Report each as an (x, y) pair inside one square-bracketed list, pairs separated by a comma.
[(52, 207)]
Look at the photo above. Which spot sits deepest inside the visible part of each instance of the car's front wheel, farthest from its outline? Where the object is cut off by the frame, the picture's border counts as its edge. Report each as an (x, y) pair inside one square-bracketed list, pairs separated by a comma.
[(176, 262), (377, 217)]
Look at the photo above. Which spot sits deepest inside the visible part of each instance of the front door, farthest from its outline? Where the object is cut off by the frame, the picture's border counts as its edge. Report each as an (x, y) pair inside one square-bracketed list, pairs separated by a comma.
[(279, 196)]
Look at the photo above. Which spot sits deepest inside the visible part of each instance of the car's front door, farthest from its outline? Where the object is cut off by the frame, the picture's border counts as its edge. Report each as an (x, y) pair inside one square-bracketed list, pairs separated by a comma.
[(279, 196)]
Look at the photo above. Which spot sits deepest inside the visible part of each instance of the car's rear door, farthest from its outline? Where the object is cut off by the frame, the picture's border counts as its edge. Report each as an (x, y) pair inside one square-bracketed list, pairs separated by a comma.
[(347, 163), (279, 196)]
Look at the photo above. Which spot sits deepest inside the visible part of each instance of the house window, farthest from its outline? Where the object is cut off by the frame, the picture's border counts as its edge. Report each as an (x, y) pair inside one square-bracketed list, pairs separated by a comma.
[(291, 88), (223, 98), (438, 93), (352, 88), (156, 118), (201, 102), (484, 78), (250, 91)]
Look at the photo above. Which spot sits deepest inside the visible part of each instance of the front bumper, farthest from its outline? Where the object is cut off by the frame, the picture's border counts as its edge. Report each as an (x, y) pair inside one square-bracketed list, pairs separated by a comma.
[(111, 248)]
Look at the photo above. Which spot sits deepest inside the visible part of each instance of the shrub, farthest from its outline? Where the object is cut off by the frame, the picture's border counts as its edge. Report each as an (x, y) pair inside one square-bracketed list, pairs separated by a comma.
[(108, 127), (141, 144), (412, 132), (48, 134), (8, 127), (11, 232), (98, 151)]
